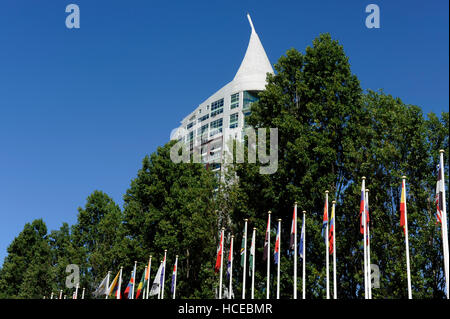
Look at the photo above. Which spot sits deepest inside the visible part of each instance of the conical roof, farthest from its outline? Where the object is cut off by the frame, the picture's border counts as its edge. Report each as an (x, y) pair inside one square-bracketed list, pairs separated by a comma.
[(255, 64)]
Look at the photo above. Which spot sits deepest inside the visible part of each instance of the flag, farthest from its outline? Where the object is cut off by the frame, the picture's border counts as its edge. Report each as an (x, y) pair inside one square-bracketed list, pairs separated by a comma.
[(302, 239), (229, 261), (361, 210), (277, 246), (266, 240), (403, 207), (157, 282), (243, 249), (102, 288), (141, 284), (293, 229), (252, 254), (439, 196), (113, 288), (128, 290), (174, 272), (219, 253), (325, 218), (331, 247)]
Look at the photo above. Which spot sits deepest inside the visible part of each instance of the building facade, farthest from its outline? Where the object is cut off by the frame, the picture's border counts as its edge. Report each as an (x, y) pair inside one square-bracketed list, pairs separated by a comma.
[(207, 129)]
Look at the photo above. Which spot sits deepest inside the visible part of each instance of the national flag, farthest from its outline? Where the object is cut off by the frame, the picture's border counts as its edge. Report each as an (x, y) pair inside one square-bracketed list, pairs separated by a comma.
[(277, 245), (331, 247), (113, 288), (128, 290), (403, 207), (252, 254), (141, 283), (243, 250), (325, 218), (361, 210), (302, 239), (219, 253), (293, 229), (174, 273), (229, 261), (157, 282), (439, 196), (266, 240), (102, 289)]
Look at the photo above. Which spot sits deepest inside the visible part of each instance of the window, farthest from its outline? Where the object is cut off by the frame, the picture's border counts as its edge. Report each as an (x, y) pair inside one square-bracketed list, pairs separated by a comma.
[(203, 131), (249, 98), (234, 101), (203, 118), (216, 107), (216, 127), (189, 125), (234, 120)]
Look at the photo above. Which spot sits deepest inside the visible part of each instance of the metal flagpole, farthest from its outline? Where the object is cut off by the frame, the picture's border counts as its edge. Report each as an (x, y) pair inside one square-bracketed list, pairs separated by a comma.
[(295, 250), (51, 296), (82, 293), (369, 264), (134, 280), (407, 243), (164, 273), (245, 259), (304, 256), (120, 284), (444, 225), (252, 252), (144, 289), (326, 244), (107, 284), (148, 277), (366, 291), (159, 290), (268, 257), (60, 294), (333, 213), (221, 262), (175, 278), (231, 268), (278, 257), (76, 291)]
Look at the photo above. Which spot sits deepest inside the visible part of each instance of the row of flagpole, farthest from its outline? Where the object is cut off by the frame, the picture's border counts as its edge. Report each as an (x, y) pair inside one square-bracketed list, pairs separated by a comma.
[(330, 229)]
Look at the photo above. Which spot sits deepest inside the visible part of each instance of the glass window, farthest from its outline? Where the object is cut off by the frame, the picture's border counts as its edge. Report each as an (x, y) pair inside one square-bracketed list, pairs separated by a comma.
[(234, 101), (216, 107), (234, 120), (203, 118), (249, 98), (216, 127)]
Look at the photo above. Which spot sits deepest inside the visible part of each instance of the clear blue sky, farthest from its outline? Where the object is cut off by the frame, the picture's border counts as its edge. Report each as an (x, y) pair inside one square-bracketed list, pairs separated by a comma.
[(79, 109)]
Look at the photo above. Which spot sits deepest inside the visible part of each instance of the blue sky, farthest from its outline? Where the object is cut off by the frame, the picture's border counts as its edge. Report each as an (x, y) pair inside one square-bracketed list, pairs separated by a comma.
[(79, 109)]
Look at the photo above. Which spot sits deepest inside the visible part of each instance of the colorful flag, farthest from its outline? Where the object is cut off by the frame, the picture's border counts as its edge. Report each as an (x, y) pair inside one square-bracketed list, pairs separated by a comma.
[(174, 273), (113, 288), (361, 210), (229, 261), (439, 196), (331, 247), (266, 240), (325, 219), (277, 246), (403, 207), (128, 290), (302, 239), (157, 282), (141, 283), (219, 253), (293, 229), (102, 288), (252, 254), (243, 250)]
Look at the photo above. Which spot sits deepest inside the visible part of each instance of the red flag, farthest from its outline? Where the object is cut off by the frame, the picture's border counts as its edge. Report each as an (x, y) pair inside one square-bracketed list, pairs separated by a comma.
[(219, 254), (403, 207)]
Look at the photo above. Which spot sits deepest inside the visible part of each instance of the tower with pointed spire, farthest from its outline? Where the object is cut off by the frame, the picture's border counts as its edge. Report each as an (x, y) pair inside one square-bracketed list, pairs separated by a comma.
[(223, 113)]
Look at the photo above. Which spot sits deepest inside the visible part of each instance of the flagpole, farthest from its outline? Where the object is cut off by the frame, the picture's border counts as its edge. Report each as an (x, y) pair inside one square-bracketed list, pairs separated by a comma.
[(107, 284), (164, 273), (148, 279), (51, 295), (407, 243), (268, 258), (221, 262), (134, 280), (159, 290), (60, 294), (334, 250), (366, 293), (253, 261), (245, 259), (76, 291), (444, 225), (295, 250), (369, 270), (231, 268), (278, 257), (304, 257), (175, 278), (120, 284), (328, 253)]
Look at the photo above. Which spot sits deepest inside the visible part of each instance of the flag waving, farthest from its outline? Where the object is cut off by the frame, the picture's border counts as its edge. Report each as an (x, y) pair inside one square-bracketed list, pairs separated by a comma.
[(302, 239), (403, 207), (331, 232), (141, 283), (325, 219), (156, 286), (252, 254), (219, 254), (439, 196), (277, 246), (230, 256), (293, 229), (361, 210), (113, 288), (102, 288), (266, 240), (127, 292), (174, 276)]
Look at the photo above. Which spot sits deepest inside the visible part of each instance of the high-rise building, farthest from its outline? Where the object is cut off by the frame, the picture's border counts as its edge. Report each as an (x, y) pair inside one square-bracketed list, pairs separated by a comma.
[(223, 114)]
